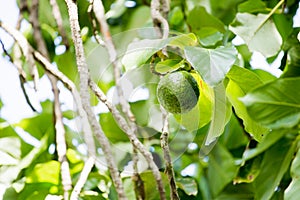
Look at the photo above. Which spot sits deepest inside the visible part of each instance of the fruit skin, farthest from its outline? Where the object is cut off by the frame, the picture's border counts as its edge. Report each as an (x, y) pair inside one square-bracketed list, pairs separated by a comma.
[(178, 92)]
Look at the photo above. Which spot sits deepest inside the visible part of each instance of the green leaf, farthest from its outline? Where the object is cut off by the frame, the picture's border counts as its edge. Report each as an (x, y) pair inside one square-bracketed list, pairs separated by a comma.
[(274, 165), (168, 66), (248, 171), (237, 192), (66, 63), (221, 169), (45, 173), (258, 32), (176, 16), (234, 135), (36, 191), (267, 141), (139, 52), (111, 129), (209, 36), (199, 12), (241, 82), (183, 40), (293, 190), (188, 185), (279, 100), (212, 64), (252, 6), (220, 116)]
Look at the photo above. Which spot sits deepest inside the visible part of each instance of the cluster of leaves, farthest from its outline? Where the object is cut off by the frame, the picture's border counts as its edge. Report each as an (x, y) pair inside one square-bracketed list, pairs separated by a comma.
[(239, 142)]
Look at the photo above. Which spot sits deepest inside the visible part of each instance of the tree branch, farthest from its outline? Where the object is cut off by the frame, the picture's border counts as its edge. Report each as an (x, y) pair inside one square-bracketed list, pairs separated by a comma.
[(158, 19), (59, 126), (165, 146), (83, 177), (84, 76), (159, 13), (112, 52), (59, 22)]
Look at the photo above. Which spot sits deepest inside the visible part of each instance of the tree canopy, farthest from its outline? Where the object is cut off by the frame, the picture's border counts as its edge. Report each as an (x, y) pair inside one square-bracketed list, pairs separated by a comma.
[(115, 140)]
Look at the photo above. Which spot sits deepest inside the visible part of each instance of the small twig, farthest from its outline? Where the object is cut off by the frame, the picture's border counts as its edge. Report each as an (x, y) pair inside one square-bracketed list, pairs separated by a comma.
[(88, 165), (138, 182), (130, 132), (59, 22), (22, 82), (94, 24), (84, 93), (165, 146)]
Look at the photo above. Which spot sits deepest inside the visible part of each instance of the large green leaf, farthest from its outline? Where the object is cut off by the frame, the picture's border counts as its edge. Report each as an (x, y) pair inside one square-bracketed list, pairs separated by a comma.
[(221, 169), (210, 21), (275, 104), (139, 52), (293, 189), (252, 6), (212, 64), (270, 139), (259, 33), (234, 135), (241, 82), (274, 165), (220, 116)]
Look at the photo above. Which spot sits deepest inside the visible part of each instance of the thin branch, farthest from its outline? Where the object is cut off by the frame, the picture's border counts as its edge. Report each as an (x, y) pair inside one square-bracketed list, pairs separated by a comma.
[(59, 126), (138, 182), (94, 24), (159, 13), (61, 141), (165, 146), (59, 22), (130, 131), (112, 52), (83, 177), (84, 93)]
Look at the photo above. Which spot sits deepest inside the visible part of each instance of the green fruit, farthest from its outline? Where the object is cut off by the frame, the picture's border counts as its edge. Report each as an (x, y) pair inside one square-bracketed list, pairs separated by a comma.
[(178, 92)]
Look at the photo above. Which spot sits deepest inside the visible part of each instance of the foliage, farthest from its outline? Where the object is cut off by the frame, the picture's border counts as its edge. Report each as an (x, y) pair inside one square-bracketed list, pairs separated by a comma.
[(241, 140)]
